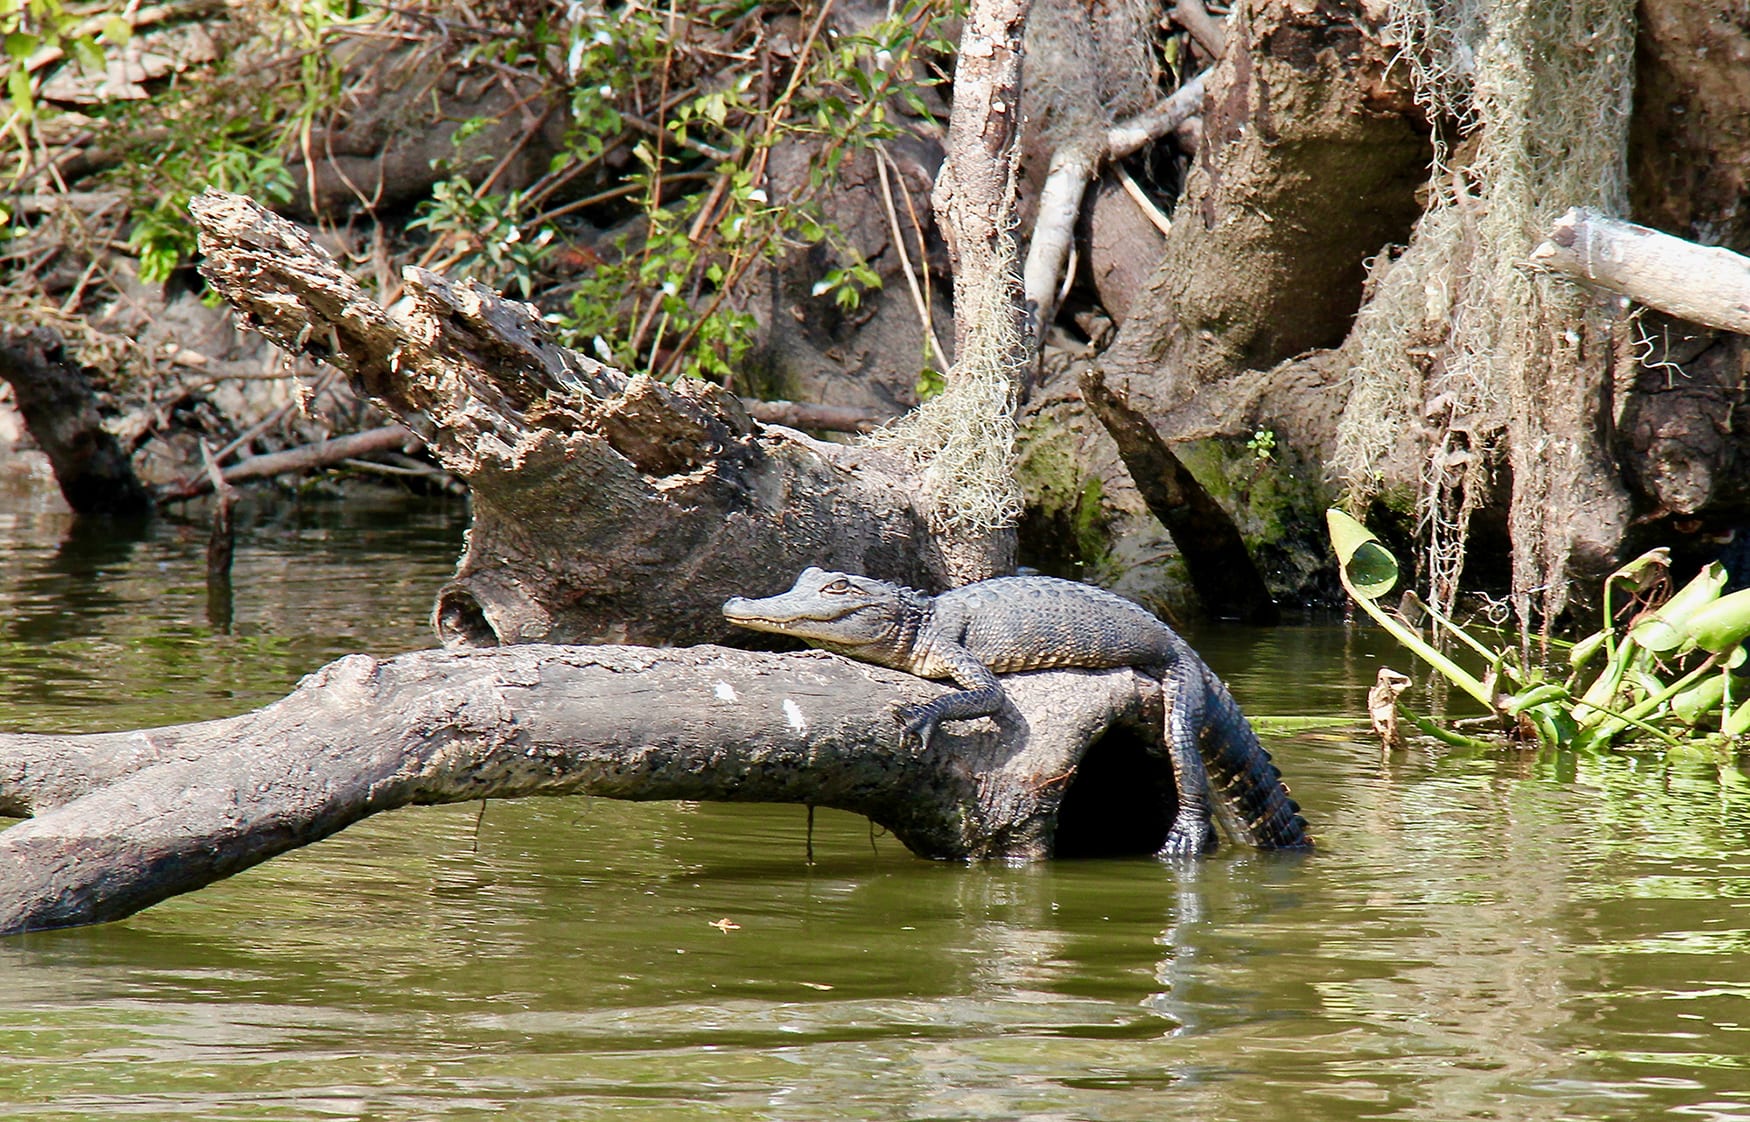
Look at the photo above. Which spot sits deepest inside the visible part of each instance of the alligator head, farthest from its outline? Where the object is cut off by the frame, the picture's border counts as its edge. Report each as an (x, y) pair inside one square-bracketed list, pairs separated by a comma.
[(866, 618)]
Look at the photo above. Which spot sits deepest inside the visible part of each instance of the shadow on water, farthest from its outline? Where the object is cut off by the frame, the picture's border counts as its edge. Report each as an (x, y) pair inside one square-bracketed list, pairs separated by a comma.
[(1490, 935)]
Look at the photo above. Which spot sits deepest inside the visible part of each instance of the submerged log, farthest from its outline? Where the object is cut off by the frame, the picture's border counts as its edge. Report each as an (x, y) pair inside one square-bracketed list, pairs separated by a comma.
[(605, 507), (124, 820)]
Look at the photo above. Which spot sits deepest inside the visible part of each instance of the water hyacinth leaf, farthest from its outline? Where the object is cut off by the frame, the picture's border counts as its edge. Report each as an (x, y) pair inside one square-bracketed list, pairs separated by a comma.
[(1369, 569), (1582, 652), (1667, 628), (1699, 701), (1542, 694), (1721, 625), (1553, 724), (1737, 723)]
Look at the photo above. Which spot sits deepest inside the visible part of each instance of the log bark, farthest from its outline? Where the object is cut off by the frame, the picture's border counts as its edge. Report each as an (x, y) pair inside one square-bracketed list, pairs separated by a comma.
[(1706, 285), (124, 820), (605, 507)]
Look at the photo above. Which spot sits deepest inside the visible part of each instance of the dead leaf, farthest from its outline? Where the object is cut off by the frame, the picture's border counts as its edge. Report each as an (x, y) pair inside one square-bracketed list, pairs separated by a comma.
[(1382, 706)]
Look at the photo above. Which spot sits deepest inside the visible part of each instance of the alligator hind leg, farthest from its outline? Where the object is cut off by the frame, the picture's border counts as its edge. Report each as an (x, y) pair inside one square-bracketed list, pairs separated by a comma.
[(1192, 832)]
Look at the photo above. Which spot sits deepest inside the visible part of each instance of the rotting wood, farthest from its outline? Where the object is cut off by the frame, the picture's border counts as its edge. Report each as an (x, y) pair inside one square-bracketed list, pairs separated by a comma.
[(592, 491), (1708, 285), (124, 820)]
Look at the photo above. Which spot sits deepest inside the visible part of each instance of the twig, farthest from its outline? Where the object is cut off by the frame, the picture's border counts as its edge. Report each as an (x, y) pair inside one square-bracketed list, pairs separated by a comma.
[(321, 454), (1149, 210), (1130, 136), (911, 281), (656, 130), (807, 415)]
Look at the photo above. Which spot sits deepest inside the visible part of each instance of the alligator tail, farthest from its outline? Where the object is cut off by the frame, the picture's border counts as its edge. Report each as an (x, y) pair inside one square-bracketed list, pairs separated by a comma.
[(1251, 800)]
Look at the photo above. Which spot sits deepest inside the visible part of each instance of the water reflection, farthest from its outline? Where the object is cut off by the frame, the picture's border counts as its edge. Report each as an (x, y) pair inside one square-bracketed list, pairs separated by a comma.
[(1491, 935)]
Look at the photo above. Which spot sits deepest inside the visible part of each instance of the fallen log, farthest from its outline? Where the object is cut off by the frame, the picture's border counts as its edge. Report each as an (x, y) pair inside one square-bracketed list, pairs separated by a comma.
[(124, 820), (1709, 285)]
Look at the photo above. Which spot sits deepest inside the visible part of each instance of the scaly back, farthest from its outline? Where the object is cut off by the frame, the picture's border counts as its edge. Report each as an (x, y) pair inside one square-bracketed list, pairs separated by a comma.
[(1039, 623)]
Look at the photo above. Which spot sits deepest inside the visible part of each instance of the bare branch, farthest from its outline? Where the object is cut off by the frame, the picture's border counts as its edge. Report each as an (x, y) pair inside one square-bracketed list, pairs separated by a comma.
[(1708, 285)]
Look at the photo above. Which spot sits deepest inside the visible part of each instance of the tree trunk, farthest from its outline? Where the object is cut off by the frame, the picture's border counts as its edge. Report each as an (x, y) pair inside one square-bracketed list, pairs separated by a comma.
[(1312, 153), (124, 820)]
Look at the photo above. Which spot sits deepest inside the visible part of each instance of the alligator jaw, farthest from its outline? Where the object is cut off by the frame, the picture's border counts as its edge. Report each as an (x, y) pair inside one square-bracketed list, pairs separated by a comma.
[(760, 616)]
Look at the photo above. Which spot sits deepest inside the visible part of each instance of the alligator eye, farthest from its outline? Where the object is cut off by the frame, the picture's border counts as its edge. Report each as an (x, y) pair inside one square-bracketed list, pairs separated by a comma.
[(840, 585)]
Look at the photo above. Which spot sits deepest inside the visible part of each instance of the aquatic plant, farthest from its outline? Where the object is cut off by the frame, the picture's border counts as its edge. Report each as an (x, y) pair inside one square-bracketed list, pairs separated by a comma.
[(1660, 667)]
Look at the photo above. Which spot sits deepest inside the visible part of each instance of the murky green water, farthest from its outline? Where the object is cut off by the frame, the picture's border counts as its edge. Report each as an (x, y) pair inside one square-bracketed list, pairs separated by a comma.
[(1501, 936)]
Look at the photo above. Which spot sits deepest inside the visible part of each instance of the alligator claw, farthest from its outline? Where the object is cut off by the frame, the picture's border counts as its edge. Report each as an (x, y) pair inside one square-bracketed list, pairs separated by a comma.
[(919, 724)]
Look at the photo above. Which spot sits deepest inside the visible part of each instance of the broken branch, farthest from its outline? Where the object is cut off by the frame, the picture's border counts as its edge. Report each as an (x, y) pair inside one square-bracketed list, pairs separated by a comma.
[(1702, 284)]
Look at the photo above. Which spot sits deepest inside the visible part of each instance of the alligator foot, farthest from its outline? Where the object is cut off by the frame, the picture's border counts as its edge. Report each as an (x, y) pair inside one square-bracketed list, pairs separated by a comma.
[(920, 723), (1188, 839)]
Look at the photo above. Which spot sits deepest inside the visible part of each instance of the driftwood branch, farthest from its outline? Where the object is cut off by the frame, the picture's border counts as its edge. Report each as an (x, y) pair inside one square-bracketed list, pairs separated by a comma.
[(307, 457), (124, 820), (1708, 285), (605, 507)]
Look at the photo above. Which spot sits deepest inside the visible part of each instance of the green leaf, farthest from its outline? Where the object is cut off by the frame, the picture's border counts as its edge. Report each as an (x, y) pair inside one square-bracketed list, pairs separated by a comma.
[(1367, 565), (1738, 723), (1699, 700), (1538, 695), (21, 45), (1721, 625), (1376, 570), (1669, 626), (1585, 649), (1554, 726), (18, 86)]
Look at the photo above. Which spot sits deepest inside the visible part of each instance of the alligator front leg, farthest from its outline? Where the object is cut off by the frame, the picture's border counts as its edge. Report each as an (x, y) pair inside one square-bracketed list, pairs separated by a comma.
[(1192, 832), (980, 696)]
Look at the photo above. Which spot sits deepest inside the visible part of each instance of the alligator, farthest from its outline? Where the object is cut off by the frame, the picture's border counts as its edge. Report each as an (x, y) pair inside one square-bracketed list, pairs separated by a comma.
[(1007, 624)]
